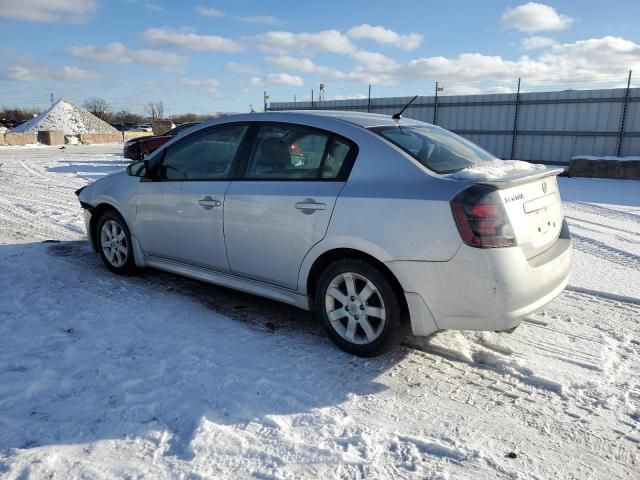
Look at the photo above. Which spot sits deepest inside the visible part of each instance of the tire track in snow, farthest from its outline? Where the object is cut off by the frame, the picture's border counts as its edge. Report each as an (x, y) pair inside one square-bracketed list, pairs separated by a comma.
[(606, 212), (606, 252), (546, 411), (486, 382)]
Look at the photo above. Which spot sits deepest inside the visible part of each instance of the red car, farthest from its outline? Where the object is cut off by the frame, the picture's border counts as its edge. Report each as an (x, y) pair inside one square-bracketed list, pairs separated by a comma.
[(138, 148)]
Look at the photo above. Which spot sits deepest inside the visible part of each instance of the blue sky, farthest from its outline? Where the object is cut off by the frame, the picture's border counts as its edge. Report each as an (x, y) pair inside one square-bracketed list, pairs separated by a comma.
[(205, 56)]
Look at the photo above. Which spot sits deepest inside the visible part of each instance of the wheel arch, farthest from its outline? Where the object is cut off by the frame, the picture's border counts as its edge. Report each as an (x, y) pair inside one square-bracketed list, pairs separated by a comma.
[(329, 256), (96, 214)]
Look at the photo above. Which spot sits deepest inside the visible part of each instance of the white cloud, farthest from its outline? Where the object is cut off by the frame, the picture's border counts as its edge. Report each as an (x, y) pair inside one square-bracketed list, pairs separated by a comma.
[(261, 19), (277, 79), (48, 11), (383, 35), (208, 86), (286, 43), (254, 19), (374, 61), (117, 52), (606, 59), (28, 71), (592, 61), (536, 42), (299, 64), (242, 68), (535, 17), (209, 12), (191, 41), (461, 89)]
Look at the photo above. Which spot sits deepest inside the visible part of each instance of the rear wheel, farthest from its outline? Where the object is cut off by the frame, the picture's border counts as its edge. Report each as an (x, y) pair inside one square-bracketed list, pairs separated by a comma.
[(114, 243), (359, 308)]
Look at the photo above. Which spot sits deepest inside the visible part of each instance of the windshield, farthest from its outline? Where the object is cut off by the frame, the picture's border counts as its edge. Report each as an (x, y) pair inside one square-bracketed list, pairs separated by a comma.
[(436, 148)]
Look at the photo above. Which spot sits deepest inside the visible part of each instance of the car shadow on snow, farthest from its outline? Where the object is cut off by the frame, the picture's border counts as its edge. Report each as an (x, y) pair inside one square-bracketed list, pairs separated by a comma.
[(86, 355)]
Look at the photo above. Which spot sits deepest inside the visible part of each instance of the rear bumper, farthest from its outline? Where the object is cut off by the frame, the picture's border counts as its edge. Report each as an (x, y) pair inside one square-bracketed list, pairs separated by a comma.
[(487, 289)]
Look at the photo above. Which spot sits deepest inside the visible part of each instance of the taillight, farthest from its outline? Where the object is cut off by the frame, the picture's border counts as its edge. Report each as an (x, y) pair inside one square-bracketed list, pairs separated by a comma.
[(481, 218)]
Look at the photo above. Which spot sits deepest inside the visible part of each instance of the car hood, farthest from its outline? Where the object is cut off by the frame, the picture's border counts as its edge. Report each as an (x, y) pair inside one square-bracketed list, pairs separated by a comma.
[(137, 139)]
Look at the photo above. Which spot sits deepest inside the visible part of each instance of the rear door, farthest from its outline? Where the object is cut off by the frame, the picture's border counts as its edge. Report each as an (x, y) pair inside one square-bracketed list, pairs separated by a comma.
[(282, 205), (180, 211)]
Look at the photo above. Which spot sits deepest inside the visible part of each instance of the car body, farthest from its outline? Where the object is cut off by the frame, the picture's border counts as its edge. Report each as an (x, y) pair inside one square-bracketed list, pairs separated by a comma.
[(457, 253), (138, 148)]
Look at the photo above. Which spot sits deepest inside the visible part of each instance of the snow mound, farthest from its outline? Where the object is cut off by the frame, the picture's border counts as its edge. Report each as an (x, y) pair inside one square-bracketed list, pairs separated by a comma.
[(66, 117), (495, 170)]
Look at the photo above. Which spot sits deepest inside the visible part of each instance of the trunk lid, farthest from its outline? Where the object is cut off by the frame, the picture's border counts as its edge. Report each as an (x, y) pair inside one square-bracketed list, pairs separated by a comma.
[(534, 208)]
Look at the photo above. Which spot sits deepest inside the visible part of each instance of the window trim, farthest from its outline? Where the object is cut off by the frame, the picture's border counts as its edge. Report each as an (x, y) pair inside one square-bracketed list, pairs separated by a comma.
[(155, 168), (343, 174), (240, 163)]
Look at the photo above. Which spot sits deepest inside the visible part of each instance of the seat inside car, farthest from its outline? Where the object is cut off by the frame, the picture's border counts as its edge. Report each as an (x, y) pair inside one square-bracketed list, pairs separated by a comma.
[(273, 156)]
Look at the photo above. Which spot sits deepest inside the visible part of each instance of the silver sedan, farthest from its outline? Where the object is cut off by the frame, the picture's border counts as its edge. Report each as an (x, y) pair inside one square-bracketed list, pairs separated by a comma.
[(359, 218)]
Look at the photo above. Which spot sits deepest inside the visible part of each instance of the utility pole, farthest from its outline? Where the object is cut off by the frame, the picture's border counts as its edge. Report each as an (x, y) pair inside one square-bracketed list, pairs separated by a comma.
[(623, 117), (51, 97), (265, 98), (312, 99), (435, 104), (515, 123), (369, 100)]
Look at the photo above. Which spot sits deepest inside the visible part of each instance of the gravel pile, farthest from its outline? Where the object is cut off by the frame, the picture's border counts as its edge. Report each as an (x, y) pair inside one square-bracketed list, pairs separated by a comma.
[(66, 117)]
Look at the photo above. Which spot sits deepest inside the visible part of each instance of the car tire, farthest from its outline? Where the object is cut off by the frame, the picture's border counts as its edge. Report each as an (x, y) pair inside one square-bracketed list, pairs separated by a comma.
[(113, 241), (359, 308)]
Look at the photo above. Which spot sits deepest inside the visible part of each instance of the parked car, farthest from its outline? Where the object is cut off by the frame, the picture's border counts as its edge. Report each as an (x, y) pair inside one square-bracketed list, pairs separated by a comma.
[(369, 229), (123, 126), (138, 148)]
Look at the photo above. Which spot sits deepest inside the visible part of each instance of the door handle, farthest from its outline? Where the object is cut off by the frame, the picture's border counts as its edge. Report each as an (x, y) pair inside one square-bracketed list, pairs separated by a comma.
[(208, 203), (309, 205)]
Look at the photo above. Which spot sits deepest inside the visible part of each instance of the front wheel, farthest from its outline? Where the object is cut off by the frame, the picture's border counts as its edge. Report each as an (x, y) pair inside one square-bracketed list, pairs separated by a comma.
[(359, 308), (114, 243)]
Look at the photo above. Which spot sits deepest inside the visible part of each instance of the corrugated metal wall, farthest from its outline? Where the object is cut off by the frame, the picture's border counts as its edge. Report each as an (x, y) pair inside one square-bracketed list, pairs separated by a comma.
[(551, 126)]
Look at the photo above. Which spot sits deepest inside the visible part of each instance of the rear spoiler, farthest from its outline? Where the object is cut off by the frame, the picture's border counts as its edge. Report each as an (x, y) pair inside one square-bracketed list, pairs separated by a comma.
[(523, 177)]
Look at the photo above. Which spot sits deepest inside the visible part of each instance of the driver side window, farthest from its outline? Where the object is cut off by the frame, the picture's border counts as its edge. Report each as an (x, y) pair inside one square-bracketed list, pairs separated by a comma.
[(206, 155)]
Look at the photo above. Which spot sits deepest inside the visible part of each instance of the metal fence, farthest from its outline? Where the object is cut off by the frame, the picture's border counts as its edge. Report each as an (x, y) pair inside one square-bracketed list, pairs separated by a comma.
[(548, 127)]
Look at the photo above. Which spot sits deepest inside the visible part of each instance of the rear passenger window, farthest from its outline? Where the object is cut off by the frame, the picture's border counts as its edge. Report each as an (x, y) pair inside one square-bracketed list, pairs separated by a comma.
[(294, 152), (336, 156)]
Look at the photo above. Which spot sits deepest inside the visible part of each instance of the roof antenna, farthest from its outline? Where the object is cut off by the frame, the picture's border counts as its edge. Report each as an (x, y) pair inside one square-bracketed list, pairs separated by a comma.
[(398, 116)]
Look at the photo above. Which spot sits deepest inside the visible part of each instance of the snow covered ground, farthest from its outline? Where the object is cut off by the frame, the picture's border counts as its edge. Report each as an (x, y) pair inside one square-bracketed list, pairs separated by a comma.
[(160, 377)]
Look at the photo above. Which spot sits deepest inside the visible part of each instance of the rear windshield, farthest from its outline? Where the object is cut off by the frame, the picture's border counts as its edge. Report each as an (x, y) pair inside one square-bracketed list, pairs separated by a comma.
[(435, 148)]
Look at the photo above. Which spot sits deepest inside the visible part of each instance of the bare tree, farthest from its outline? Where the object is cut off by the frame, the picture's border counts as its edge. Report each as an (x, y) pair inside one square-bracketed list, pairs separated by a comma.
[(127, 116), (98, 106), (155, 110)]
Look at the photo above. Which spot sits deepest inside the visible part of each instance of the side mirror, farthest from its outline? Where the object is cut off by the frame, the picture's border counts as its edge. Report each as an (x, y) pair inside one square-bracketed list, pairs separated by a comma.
[(138, 169)]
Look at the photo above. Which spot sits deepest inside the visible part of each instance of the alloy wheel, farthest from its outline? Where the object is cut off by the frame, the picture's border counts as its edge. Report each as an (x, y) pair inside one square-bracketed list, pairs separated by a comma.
[(114, 243), (355, 308)]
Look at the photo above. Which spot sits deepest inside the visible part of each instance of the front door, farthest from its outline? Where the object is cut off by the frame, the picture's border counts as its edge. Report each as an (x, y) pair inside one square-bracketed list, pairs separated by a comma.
[(180, 211), (282, 206)]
